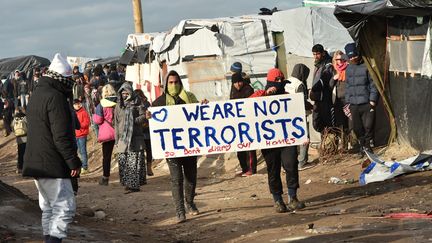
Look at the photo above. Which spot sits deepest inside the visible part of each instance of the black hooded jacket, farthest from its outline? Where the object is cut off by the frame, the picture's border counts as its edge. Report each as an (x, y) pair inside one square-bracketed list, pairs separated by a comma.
[(51, 150)]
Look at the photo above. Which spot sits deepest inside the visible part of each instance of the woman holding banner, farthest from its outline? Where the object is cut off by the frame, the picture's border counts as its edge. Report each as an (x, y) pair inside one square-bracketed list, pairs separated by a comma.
[(183, 167), (282, 156)]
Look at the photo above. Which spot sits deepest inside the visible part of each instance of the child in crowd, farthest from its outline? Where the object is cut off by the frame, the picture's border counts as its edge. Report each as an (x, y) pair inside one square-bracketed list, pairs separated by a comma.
[(19, 124), (81, 134)]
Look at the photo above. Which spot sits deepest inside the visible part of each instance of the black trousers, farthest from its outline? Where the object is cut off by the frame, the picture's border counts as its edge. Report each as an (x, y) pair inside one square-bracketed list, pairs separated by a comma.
[(276, 158), (21, 152), (248, 161), (149, 156), (107, 149), (363, 123), (183, 173)]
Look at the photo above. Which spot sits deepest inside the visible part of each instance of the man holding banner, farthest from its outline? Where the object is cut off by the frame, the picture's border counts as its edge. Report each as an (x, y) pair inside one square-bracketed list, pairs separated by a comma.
[(181, 167), (274, 124), (281, 156)]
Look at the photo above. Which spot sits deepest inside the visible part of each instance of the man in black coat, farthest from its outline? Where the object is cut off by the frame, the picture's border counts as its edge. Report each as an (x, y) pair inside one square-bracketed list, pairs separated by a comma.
[(51, 153), (321, 90)]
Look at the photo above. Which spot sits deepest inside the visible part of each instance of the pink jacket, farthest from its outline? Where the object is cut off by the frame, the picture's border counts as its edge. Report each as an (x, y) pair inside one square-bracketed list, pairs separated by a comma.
[(104, 117)]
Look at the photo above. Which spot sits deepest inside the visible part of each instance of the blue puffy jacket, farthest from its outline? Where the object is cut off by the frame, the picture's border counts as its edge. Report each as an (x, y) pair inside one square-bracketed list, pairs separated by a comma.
[(360, 88)]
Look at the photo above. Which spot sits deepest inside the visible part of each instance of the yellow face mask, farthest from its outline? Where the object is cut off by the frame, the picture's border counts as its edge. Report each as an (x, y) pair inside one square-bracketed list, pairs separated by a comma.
[(174, 89)]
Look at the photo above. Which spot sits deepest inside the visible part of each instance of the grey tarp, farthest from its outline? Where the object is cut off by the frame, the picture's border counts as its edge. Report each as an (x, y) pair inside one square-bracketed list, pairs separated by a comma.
[(22, 63), (304, 27)]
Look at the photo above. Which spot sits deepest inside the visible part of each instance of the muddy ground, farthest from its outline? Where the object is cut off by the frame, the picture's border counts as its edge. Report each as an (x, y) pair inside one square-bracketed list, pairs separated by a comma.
[(233, 209)]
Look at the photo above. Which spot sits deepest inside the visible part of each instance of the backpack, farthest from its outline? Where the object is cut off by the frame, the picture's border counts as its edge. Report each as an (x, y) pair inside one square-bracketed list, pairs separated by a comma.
[(20, 126)]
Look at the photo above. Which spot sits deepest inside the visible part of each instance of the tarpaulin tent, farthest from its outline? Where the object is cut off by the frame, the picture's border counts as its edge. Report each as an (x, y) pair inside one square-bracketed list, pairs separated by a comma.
[(202, 51), (390, 34), (297, 30), (22, 63)]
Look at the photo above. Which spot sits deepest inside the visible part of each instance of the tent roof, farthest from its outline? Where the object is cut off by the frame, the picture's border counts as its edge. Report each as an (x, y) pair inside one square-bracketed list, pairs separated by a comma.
[(107, 60), (354, 17), (22, 63)]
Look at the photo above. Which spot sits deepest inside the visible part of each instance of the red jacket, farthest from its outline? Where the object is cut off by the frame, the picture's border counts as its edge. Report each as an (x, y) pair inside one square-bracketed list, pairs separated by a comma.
[(84, 121)]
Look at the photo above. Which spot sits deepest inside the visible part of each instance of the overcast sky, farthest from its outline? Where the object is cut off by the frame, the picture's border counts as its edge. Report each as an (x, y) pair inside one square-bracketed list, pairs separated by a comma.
[(99, 28)]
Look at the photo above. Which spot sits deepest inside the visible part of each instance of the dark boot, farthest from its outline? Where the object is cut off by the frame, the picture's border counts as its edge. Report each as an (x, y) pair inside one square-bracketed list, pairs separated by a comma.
[(53, 239), (295, 204), (280, 207), (181, 218), (103, 181), (149, 169), (192, 208)]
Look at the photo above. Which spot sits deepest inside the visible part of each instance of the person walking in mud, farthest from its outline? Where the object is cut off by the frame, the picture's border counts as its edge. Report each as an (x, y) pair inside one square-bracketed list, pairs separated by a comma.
[(129, 119), (283, 156), (51, 153), (183, 170)]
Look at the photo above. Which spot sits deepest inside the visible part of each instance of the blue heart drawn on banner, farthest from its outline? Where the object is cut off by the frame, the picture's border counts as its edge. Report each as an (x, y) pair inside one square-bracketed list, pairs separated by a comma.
[(160, 115)]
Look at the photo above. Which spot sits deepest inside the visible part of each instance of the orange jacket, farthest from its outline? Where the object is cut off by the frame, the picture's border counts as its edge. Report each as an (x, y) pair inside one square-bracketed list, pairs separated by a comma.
[(84, 121)]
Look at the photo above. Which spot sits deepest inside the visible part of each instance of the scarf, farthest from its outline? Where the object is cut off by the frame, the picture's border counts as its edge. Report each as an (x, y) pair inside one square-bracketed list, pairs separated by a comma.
[(57, 76), (128, 107), (185, 96), (341, 70)]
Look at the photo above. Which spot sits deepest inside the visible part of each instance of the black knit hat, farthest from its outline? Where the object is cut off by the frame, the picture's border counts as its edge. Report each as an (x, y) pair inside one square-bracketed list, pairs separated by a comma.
[(237, 77), (236, 67)]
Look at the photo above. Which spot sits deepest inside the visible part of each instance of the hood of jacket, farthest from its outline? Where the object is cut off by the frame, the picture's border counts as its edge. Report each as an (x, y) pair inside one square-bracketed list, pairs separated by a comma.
[(300, 72)]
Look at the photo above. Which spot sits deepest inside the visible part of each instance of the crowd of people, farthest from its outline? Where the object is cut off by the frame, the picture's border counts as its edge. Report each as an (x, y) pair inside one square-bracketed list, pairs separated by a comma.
[(65, 105)]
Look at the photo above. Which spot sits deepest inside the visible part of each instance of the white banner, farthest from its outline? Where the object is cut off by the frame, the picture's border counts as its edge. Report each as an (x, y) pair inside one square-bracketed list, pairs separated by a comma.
[(228, 126)]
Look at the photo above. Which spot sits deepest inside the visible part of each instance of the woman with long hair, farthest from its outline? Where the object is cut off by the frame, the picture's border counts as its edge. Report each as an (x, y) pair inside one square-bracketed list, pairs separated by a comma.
[(104, 117)]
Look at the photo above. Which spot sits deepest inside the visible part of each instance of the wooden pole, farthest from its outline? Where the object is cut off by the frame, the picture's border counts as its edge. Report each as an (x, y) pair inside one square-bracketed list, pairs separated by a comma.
[(137, 16)]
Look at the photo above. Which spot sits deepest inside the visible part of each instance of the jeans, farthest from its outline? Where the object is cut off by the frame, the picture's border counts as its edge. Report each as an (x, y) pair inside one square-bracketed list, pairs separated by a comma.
[(82, 148), (21, 151), (24, 100), (183, 173), (248, 161), (57, 202), (149, 156), (287, 158), (363, 123), (303, 155)]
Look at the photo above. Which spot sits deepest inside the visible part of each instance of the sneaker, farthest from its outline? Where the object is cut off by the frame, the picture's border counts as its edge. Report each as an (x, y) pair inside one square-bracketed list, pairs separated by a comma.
[(103, 181), (193, 210), (181, 218), (239, 173), (305, 167), (249, 173), (281, 207), (84, 171), (295, 204)]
